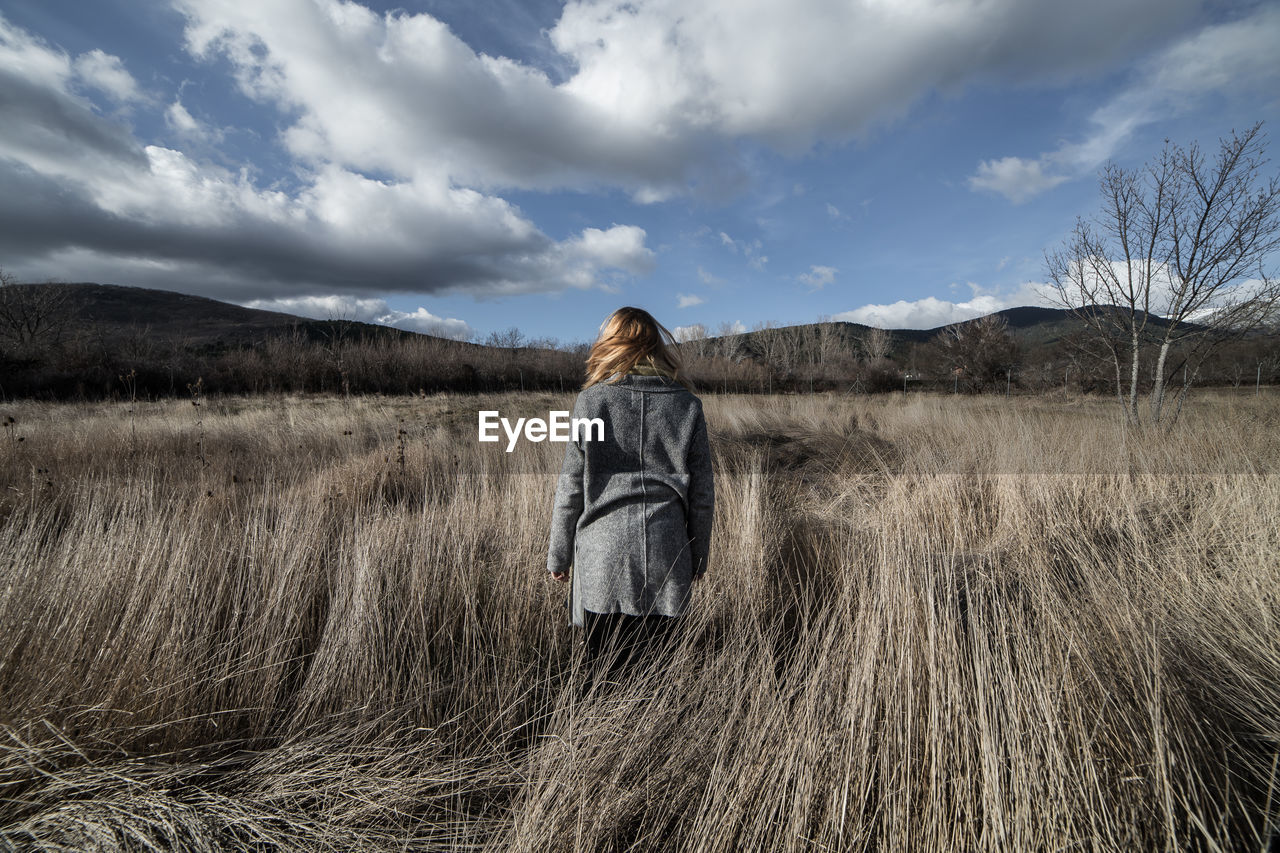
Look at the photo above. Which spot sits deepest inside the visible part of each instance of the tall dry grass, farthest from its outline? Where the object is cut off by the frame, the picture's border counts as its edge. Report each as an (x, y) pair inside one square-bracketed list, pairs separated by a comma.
[(931, 624)]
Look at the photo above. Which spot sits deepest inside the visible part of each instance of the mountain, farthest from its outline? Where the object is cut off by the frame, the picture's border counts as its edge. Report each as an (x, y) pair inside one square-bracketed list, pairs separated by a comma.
[(113, 310), (1031, 326)]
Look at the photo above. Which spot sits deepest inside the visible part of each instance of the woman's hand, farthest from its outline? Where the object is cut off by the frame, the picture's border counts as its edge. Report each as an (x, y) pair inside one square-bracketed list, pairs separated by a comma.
[(560, 576)]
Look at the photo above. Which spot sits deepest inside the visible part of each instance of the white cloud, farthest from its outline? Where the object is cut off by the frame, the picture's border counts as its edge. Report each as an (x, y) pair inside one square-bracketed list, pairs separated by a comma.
[(833, 211), (1236, 55), (1016, 179), (331, 307), (92, 201), (422, 320), (181, 120), (31, 59), (621, 246), (930, 312), (106, 73), (749, 249), (818, 277), (366, 310), (924, 313), (656, 98), (400, 93), (184, 124), (709, 278), (688, 300), (698, 330), (762, 69), (657, 90), (1164, 294)]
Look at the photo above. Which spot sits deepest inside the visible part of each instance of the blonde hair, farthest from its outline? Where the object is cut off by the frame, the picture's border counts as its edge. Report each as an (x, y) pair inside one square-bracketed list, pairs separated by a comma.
[(628, 337)]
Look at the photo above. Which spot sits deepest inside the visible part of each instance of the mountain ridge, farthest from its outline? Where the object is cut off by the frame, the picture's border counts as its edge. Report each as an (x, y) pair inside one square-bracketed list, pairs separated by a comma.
[(202, 320)]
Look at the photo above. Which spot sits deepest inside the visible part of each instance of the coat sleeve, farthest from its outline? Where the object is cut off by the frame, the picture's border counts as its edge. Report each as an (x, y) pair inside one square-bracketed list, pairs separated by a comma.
[(702, 497), (567, 507)]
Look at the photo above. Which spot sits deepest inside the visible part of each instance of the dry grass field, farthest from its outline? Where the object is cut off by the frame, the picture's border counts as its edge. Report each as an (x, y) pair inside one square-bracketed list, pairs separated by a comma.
[(931, 623)]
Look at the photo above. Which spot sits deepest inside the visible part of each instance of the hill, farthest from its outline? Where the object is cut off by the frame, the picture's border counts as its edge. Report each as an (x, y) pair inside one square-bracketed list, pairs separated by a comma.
[(114, 310), (1033, 327), (111, 309), (86, 341)]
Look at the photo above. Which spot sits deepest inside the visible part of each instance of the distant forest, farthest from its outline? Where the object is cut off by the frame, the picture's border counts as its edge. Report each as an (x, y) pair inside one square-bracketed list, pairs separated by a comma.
[(69, 350)]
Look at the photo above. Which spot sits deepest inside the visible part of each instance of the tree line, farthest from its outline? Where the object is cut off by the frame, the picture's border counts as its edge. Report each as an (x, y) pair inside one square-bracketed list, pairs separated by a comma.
[(41, 358)]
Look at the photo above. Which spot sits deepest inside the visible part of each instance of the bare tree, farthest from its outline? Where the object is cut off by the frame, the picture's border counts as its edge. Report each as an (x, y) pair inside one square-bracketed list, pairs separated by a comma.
[(337, 331), (772, 343), (1175, 264), (726, 329), (510, 338), (793, 343), (979, 354), (876, 344), (547, 342), (693, 340), (31, 315), (827, 340), (725, 339)]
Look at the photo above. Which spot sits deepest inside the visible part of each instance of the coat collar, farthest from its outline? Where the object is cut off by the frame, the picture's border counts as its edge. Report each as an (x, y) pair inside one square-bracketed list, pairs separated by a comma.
[(642, 382)]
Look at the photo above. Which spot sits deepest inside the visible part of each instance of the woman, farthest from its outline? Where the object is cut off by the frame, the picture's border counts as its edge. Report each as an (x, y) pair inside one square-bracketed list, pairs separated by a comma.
[(632, 513)]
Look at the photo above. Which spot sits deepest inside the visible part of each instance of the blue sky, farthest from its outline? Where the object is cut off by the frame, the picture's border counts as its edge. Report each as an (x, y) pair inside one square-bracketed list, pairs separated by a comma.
[(463, 167)]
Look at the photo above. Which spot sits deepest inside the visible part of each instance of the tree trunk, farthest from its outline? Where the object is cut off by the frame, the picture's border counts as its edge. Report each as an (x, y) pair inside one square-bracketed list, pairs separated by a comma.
[(1182, 394), (1157, 389), (1133, 378), (1115, 359)]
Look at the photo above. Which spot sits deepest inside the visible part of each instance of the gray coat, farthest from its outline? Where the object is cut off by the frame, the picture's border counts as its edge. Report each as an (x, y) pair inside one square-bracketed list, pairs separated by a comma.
[(632, 513)]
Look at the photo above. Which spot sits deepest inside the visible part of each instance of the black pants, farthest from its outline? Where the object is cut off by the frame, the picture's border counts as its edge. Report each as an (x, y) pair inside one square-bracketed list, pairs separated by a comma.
[(616, 643)]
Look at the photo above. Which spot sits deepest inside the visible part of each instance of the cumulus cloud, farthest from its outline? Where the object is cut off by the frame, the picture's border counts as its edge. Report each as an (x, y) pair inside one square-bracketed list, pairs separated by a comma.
[(1016, 179), (762, 69), (656, 88), (1236, 54), (1159, 288), (422, 320), (818, 277), (81, 198), (366, 310), (688, 300), (401, 136), (391, 93), (107, 74), (930, 312), (37, 64), (48, 126)]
